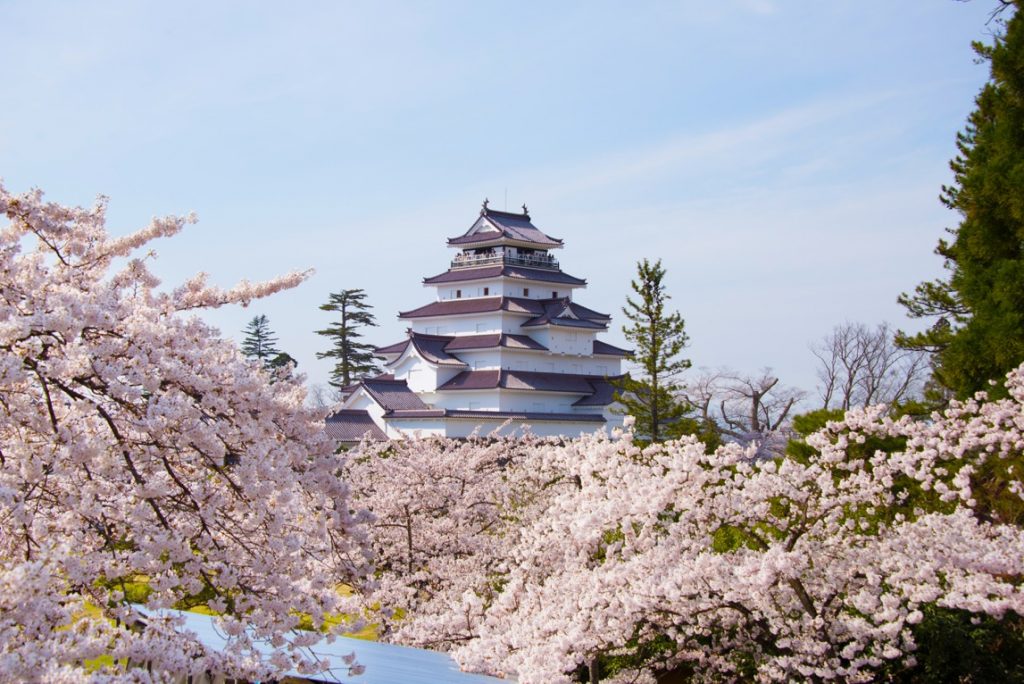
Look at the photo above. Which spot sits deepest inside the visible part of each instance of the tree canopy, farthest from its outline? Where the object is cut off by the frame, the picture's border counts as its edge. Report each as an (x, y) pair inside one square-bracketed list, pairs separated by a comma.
[(978, 334), (143, 458)]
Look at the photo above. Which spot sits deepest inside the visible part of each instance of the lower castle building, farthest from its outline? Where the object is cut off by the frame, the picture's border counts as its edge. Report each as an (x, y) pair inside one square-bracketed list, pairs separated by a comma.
[(504, 343)]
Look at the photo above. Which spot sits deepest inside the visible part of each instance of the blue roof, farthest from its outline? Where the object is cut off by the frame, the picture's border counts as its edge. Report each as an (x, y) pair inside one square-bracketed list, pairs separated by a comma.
[(384, 663)]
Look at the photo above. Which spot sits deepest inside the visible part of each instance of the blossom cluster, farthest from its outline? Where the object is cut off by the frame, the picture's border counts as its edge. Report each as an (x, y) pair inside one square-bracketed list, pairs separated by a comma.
[(141, 456), (539, 557)]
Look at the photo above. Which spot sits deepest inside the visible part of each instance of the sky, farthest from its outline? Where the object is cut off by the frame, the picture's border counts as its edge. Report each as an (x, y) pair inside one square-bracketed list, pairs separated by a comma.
[(783, 159)]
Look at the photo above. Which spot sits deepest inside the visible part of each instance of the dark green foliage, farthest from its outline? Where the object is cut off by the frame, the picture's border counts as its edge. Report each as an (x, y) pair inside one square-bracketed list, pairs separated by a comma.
[(282, 360), (260, 343), (956, 646), (659, 338), (706, 431), (353, 358), (979, 333), (806, 424)]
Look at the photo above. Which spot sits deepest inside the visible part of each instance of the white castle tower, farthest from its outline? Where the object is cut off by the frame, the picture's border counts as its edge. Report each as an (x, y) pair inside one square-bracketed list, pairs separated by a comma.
[(502, 342)]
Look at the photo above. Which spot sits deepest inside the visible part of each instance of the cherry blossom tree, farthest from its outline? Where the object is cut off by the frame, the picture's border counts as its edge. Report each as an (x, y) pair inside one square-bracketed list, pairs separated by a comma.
[(445, 514), (142, 456), (718, 564)]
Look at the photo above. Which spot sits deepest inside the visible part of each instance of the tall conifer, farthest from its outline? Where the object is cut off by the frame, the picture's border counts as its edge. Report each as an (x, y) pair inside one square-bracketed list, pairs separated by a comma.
[(353, 358), (659, 338), (979, 332), (260, 343)]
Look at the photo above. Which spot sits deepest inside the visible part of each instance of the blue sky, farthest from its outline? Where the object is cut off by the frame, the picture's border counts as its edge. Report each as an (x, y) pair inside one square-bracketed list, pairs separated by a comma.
[(783, 159)]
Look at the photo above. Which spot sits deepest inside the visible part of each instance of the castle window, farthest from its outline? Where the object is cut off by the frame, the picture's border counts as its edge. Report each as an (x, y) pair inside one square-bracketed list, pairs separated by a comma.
[(458, 294), (526, 292), (487, 291), (554, 295)]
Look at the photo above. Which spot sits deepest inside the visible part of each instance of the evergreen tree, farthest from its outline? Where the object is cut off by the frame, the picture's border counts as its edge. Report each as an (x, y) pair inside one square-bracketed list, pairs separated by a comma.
[(260, 342), (353, 358), (979, 332), (659, 338)]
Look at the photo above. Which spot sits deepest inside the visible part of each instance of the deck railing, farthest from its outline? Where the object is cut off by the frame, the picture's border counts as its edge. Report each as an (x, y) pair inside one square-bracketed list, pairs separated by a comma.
[(528, 260)]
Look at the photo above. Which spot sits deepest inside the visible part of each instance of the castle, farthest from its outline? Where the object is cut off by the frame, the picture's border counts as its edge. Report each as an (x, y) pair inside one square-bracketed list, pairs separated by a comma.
[(503, 343)]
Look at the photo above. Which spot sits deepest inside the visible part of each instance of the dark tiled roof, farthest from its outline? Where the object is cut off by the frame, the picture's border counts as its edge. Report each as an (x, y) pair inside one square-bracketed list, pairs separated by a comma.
[(432, 348), (609, 350), (567, 313), (492, 341), (521, 342), (518, 272), (396, 348), (534, 307), (468, 380), (473, 342), (393, 394), (510, 226), (439, 348), (565, 322), (451, 307), (597, 390), (604, 394), (352, 426), (584, 312)]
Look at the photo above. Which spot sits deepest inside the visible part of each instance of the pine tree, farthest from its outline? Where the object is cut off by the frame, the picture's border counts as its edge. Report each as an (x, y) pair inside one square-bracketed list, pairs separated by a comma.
[(354, 359), (659, 338), (979, 332), (260, 342)]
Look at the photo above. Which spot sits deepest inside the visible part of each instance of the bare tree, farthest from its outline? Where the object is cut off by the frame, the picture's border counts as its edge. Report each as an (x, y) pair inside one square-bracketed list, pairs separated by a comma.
[(861, 366), (323, 396), (746, 408)]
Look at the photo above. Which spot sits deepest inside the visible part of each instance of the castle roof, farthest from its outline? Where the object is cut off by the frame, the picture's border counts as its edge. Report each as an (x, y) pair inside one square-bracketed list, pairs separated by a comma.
[(597, 390), (496, 271), (439, 348), (498, 227), (610, 350), (352, 426), (537, 308), (392, 395), (563, 312)]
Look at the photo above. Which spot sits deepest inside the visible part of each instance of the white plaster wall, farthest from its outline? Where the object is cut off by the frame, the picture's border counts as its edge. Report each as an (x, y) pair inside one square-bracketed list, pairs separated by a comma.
[(462, 325), (481, 359), (537, 402), (425, 427), (507, 287), (567, 341), (464, 428), (473, 400), (419, 427)]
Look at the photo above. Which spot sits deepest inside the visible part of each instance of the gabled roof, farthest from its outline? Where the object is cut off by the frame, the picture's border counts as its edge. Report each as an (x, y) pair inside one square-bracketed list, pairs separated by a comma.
[(392, 395), (563, 312), (352, 426), (516, 272), (501, 226), (596, 390)]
